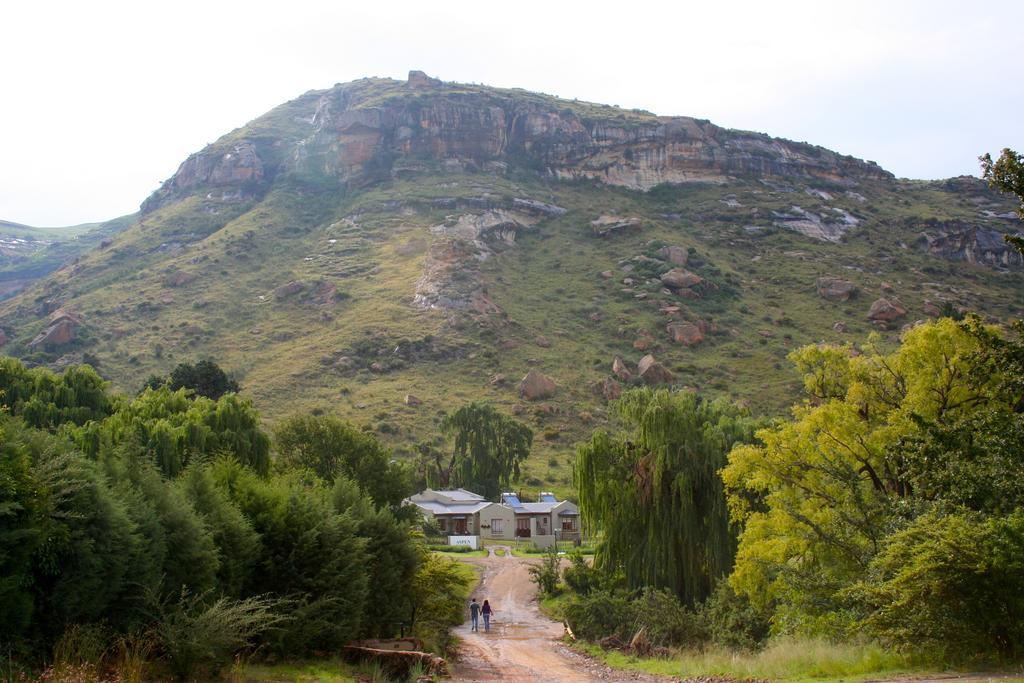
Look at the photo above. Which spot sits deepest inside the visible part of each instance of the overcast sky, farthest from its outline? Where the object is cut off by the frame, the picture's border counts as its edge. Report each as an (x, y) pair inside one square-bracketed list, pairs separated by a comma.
[(100, 101)]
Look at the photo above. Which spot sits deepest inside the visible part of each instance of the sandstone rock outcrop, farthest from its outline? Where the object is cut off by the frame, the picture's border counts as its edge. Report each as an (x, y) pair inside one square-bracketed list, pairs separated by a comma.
[(960, 241), (368, 129), (288, 289), (680, 278), (420, 80), (608, 389), (535, 386), (606, 225), (835, 289), (178, 278), (685, 333), (411, 400), (885, 311), (653, 372), (675, 255), (61, 328), (621, 370)]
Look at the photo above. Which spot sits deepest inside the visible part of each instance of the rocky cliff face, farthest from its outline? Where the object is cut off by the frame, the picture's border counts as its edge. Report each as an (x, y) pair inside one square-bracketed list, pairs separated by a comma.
[(360, 131), (960, 241)]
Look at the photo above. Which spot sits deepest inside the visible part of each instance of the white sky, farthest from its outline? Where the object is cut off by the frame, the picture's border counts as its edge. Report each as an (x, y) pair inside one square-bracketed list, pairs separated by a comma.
[(100, 100)]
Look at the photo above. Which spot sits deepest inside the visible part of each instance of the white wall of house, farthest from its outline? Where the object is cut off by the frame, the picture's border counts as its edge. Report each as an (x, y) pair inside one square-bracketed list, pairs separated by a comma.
[(497, 521)]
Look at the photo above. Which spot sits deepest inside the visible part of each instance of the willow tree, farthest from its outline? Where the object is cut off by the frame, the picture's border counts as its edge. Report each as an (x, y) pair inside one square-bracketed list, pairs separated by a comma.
[(654, 493), (486, 450)]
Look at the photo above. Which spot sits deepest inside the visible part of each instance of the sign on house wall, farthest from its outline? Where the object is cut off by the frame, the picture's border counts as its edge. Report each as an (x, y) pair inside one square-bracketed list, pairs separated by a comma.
[(470, 541)]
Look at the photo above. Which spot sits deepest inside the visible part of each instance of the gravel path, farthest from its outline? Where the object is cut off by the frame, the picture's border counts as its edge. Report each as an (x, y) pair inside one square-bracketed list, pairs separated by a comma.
[(523, 645)]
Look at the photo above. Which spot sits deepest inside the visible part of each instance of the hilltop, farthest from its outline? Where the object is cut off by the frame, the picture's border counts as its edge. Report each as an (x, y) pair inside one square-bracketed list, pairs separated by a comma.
[(389, 250)]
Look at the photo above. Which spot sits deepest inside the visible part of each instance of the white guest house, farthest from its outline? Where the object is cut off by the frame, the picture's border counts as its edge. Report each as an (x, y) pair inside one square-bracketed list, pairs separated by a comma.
[(460, 513)]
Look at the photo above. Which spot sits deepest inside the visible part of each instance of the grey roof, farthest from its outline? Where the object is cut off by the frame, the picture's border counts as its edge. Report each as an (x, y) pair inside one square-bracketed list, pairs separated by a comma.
[(538, 508), (467, 508), (461, 494)]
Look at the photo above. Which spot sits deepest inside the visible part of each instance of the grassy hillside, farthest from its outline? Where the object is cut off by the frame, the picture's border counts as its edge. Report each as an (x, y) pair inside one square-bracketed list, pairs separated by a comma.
[(306, 292), (28, 253)]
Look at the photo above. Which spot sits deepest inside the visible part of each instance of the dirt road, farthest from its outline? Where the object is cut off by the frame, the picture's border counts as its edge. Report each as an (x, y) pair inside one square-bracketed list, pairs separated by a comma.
[(522, 645)]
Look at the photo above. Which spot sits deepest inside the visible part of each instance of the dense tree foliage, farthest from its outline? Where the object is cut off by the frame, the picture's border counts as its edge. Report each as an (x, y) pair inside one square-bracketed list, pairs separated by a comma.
[(487, 449), (162, 515), (654, 493), (172, 428), (333, 448), (46, 399), (1006, 174), (859, 511), (204, 378)]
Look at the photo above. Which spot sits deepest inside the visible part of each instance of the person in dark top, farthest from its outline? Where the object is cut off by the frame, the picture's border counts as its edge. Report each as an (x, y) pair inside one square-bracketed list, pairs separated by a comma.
[(474, 614), (487, 611)]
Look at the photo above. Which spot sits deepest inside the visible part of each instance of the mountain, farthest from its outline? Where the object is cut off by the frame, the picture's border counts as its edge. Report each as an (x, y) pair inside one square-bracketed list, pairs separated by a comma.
[(389, 250), (28, 253)]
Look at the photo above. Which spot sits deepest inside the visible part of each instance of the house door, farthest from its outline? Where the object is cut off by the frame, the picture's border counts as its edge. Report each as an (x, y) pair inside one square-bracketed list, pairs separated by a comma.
[(460, 527), (523, 527)]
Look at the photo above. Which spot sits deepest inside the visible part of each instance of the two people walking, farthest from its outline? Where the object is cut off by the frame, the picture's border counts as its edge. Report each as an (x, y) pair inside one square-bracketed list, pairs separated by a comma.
[(475, 610)]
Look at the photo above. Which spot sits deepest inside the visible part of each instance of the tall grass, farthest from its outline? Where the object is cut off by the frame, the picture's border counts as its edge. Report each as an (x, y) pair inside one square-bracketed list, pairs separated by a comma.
[(782, 660)]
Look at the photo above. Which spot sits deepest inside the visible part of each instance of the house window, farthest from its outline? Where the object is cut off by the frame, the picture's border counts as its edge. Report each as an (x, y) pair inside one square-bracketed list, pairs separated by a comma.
[(442, 523), (568, 524), (496, 526)]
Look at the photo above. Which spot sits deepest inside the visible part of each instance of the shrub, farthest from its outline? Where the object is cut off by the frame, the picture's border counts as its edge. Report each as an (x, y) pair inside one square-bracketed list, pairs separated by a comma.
[(545, 574), (953, 581), (580, 577), (195, 636), (601, 614), (666, 620), (732, 621)]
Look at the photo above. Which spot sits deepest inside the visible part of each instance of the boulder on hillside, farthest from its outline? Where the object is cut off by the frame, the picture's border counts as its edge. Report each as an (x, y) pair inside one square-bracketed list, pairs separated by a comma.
[(621, 370), (835, 289), (685, 333), (886, 311), (536, 385), (542, 341), (411, 400), (608, 389), (178, 278), (606, 224), (673, 254), (653, 372), (643, 342), (289, 289), (680, 278), (325, 293), (931, 309), (61, 328)]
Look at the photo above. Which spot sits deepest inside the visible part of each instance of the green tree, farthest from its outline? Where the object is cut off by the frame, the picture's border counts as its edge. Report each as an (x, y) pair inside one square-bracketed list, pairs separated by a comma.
[(204, 378), (819, 498), (1006, 174), (953, 581), (437, 598), (46, 400), (173, 428), (331, 448), (392, 559), (486, 451), (654, 494), (308, 553)]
